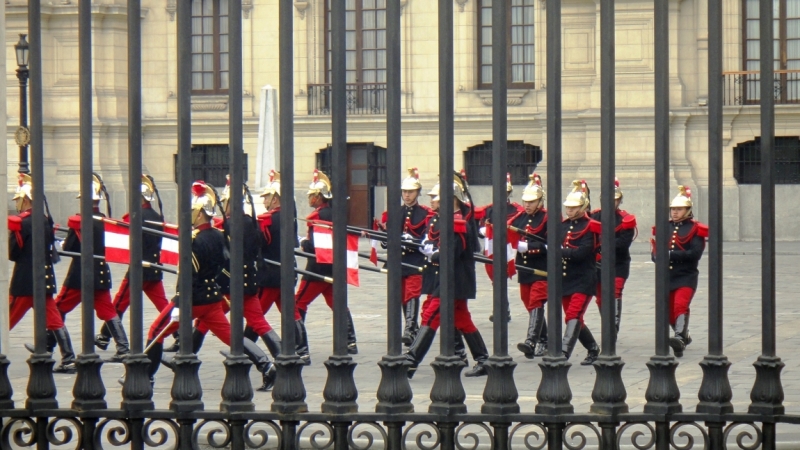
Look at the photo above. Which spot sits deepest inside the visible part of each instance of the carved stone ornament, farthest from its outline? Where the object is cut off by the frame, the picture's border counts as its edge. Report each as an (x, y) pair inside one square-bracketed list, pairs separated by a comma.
[(22, 136), (461, 4), (301, 6), (247, 6), (514, 98), (172, 7)]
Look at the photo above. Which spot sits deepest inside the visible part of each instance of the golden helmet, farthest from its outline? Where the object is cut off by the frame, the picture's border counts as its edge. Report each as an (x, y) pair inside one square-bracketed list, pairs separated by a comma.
[(460, 187), (203, 199), (509, 187), (25, 188), (411, 183), (434, 192), (617, 190), (148, 188), (226, 193), (321, 185), (534, 190), (683, 199), (97, 187), (273, 187), (579, 195)]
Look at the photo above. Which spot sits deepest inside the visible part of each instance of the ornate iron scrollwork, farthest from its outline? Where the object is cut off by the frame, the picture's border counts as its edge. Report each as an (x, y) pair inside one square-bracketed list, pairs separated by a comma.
[(263, 435), (425, 434), (326, 432), (673, 432), (740, 437), (117, 436), (22, 435), (63, 434), (211, 436), (638, 434), (157, 437), (476, 438), (540, 438), (569, 438), (366, 434)]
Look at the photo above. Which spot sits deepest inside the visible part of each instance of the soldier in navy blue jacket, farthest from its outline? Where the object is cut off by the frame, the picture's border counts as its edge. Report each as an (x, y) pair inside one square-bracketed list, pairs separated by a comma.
[(685, 250)]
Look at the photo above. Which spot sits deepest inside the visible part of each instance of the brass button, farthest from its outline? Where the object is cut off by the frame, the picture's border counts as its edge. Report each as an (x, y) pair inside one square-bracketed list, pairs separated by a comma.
[(565, 273), (670, 267)]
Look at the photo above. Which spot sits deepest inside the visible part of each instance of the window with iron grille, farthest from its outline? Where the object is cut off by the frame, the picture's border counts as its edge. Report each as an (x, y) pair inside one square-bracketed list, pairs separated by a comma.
[(747, 161), (209, 46), (519, 40), (522, 161), (211, 163)]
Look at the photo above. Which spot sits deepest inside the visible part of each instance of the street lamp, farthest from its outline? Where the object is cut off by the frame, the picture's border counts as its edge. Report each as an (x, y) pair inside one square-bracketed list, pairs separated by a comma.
[(23, 135)]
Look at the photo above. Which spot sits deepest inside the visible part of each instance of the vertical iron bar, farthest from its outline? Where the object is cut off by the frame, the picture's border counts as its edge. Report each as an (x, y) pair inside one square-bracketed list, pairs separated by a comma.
[(41, 388), (394, 391), (237, 391), (288, 428), (340, 389), (137, 393), (288, 394), (88, 390), (554, 394), (187, 392), (500, 392), (767, 393), (609, 391), (662, 392), (715, 391), (447, 393)]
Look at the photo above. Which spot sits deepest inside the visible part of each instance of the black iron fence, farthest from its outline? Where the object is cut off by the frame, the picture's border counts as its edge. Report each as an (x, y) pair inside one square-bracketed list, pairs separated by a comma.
[(89, 423), (361, 98), (744, 88)]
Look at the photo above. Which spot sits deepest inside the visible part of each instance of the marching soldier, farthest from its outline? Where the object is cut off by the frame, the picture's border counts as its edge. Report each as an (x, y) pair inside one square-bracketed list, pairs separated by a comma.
[(464, 246), (70, 295), (484, 215), (685, 250), (208, 250), (20, 250), (532, 253), (579, 234), (269, 276), (415, 220), (625, 233), (319, 198), (152, 284)]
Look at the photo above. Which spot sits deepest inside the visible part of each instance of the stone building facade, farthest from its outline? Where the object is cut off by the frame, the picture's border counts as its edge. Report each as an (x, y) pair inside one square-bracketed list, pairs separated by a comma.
[(366, 73)]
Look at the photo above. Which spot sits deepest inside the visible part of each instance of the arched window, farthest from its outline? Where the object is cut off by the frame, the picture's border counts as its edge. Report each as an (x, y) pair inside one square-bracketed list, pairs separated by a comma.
[(747, 161), (522, 160)]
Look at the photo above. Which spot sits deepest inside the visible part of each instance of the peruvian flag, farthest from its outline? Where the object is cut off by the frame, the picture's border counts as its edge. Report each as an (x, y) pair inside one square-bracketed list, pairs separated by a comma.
[(352, 259), (511, 249), (373, 255), (169, 247), (323, 241), (117, 243)]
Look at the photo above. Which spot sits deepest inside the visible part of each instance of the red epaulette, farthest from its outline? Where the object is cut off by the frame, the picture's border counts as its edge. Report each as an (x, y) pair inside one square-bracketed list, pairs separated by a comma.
[(14, 223), (702, 230), (74, 222), (460, 226), (628, 221), (595, 226), (480, 212), (218, 223)]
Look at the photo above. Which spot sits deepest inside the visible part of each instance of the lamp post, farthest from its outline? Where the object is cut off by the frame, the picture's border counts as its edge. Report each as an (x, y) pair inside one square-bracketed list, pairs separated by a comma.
[(22, 135)]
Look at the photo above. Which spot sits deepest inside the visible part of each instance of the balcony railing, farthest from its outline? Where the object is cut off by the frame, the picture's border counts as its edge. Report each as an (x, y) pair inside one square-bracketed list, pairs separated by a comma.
[(744, 88), (362, 98)]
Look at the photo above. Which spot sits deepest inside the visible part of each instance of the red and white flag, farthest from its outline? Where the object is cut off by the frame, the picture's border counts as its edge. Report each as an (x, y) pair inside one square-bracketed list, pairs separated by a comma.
[(323, 241), (352, 259), (117, 243), (511, 248), (169, 247), (373, 255)]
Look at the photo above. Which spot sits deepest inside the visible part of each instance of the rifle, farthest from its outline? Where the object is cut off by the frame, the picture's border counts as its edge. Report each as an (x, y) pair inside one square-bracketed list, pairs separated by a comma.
[(383, 260), (360, 266), (103, 258)]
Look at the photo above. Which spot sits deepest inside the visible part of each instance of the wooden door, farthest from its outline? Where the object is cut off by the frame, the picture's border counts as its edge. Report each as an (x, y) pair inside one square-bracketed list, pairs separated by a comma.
[(358, 184)]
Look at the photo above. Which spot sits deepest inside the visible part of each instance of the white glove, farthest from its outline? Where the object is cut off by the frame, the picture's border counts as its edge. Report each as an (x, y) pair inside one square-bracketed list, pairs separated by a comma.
[(427, 249), (522, 247), (407, 237), (482, 231), (545, 246), (175, 314)]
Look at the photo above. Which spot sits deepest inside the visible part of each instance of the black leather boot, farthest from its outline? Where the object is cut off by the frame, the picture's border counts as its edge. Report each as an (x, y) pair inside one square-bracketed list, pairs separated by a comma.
[(411, 313), (419, 348), (617, 313), (571, 332), (250, 333), (588, 342), (120, 337), (103, 339), (535, 323), (273, 342), (686, 336), (154, 354), (262, 363), (678, 342), (50, 343), (508, 317), (197, 340), (176, 344), (67, 353), (301, 341), (479, 353), (352, 347), (458, 347), (541, 346)]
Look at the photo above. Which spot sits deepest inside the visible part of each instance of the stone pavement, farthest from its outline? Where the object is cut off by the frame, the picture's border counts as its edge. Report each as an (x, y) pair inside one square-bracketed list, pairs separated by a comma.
[(635, 346)]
